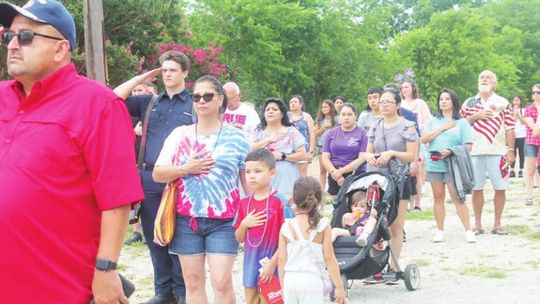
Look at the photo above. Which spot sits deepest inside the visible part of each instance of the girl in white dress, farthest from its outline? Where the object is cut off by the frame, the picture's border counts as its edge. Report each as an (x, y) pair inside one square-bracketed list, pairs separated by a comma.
[(305, 250)]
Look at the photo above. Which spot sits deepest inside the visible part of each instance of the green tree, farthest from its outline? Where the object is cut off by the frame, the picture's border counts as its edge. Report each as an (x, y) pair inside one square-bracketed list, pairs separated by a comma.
[(318, 49), (519, 16), (132, 28), (452, 49)]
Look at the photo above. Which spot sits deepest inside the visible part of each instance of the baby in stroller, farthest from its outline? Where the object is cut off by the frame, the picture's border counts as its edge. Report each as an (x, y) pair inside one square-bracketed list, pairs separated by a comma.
[(361, 221)]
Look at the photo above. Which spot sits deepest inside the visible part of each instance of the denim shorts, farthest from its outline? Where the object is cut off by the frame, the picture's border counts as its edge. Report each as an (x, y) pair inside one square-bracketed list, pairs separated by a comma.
[(439, 177), (407, 190), (211, 236), (530, 150)]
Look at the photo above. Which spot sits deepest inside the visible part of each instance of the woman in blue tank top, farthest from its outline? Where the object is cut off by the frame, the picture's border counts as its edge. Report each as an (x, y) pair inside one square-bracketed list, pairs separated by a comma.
[(303, 122)]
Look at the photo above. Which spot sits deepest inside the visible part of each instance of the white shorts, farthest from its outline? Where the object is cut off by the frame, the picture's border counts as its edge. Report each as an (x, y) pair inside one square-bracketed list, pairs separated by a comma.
[(309, 291), (490, 165)]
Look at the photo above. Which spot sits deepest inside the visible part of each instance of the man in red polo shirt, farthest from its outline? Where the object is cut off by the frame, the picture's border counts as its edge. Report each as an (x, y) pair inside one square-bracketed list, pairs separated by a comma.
[(67, 173)]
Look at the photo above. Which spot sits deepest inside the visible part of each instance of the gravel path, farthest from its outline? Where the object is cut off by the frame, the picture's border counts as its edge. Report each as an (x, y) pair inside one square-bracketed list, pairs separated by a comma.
[(496, 269)]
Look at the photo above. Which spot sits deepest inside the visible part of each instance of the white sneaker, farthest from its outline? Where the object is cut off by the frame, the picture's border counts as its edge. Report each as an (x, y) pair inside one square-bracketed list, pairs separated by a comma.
[(438, 237), (470, 237)]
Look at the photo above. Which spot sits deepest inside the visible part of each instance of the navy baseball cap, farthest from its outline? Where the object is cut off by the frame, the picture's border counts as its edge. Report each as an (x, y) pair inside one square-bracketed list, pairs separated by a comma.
[(43, 11)]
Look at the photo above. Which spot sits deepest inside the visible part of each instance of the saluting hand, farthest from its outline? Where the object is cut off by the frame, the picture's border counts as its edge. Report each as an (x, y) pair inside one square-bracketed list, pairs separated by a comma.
[(2, 31), (149, 76)]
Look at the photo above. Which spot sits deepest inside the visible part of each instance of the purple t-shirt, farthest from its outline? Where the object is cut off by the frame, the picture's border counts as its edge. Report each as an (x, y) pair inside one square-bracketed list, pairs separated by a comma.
[(344, 146)]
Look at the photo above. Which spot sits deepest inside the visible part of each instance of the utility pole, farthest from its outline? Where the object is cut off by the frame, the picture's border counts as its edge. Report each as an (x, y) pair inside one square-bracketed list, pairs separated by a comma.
[(93, 40)]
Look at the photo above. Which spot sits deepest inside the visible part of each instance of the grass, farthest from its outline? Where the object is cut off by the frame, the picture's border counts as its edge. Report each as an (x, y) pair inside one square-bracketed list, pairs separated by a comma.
[(533, 263), (425, 215), (525, 231), (489, 272), (147, 283), (421, 262)]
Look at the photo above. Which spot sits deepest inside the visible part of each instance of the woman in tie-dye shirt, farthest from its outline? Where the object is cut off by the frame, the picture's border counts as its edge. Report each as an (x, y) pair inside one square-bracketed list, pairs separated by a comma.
[(208, 158)]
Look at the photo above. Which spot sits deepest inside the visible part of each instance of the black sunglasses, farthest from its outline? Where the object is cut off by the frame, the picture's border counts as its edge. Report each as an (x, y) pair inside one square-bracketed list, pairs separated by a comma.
[(24, 37), (535, 93), (207, 97)]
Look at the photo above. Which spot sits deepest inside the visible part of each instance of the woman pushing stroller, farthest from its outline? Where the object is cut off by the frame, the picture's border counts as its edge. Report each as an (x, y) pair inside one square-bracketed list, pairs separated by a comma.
[(392, 145)]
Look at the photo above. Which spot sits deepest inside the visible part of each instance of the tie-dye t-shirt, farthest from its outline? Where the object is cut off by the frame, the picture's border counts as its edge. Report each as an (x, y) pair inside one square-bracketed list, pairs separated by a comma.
[(261, 241), (215, 194)]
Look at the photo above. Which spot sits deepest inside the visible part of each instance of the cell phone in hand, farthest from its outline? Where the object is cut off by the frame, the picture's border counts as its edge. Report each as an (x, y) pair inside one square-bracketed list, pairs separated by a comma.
[(127, 287), (435, 155)]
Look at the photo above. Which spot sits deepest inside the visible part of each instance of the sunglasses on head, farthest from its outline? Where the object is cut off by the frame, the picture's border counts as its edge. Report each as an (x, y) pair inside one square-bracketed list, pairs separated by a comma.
[(24, 37), (207, 97)]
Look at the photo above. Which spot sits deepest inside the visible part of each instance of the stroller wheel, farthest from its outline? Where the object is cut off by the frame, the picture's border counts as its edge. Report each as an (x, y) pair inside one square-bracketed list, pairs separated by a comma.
[(411, 276), (349, 284)]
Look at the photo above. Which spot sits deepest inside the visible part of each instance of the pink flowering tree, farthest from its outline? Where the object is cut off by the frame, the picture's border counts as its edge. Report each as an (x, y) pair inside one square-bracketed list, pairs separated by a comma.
[(203, 61)]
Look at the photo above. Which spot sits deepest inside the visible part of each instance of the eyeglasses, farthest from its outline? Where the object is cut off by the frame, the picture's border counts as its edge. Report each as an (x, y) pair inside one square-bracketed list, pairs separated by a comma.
[(24, 37), (207, 97), (536, 92), (386, 102)]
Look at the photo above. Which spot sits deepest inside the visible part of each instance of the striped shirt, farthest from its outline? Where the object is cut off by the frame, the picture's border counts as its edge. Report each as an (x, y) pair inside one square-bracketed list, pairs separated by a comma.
[(489, 136), (532, 112)]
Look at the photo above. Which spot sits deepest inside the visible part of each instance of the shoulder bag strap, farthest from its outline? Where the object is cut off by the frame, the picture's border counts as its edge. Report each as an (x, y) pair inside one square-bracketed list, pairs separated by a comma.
[(140, 158)]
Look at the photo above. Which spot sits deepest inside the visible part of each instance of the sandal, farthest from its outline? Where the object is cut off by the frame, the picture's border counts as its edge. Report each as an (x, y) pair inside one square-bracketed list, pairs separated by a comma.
[(499, 231), (529, 202), (477, 231)]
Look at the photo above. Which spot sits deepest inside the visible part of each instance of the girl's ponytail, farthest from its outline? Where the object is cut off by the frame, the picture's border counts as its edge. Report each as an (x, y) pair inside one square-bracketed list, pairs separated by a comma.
[(307, 195)]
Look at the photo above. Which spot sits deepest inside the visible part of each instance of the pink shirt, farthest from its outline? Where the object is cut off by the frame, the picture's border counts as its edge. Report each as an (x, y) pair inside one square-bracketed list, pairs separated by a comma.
[(66, 154), (532, 112)]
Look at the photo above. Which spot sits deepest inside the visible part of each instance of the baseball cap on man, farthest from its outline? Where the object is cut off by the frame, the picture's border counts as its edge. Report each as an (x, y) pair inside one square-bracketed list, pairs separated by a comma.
[(43, 11)]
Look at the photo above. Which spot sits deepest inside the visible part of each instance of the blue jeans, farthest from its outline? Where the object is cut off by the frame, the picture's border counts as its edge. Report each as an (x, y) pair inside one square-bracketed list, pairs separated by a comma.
[(167, 271)]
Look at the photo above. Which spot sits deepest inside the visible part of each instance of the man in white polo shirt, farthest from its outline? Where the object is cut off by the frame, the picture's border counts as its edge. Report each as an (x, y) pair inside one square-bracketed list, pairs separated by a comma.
[(490, 116)]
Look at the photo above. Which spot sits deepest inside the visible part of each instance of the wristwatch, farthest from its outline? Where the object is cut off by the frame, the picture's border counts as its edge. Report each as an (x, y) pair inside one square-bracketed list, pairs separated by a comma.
[(105, 265), (283, 156)]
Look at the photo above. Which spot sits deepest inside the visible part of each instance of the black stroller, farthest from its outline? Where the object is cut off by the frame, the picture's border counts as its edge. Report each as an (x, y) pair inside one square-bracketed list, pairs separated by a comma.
[(356, 262)]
